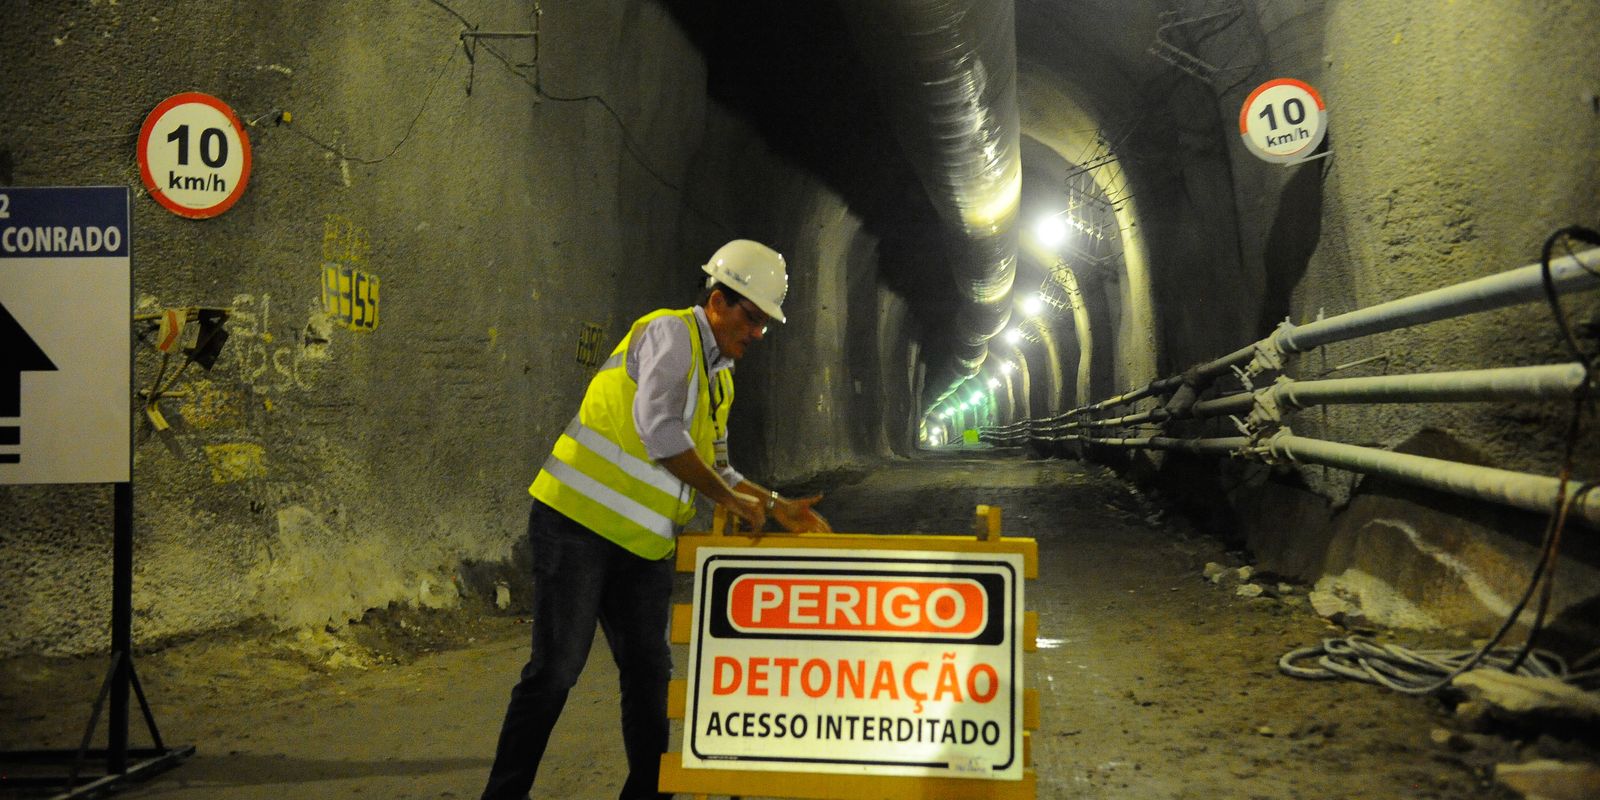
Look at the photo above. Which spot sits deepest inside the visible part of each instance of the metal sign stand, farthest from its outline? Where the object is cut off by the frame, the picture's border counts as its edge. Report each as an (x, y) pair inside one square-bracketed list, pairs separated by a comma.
[(120, 676), (39, 771)]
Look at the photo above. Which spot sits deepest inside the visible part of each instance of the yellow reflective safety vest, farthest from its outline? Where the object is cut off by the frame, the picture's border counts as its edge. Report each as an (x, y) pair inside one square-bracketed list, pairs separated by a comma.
[(599, 474)]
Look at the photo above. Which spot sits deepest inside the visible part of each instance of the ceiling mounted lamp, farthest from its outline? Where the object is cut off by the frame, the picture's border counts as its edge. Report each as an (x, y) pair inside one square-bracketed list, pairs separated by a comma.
[(994, 383), (1051, 231), (1006, 367), (1032, 305), (1013, 336)]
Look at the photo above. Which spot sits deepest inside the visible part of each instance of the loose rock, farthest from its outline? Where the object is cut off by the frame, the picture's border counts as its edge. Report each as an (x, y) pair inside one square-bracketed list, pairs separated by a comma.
[(1551, 780), (1329, 605), (1518, 697), (1214, 572)]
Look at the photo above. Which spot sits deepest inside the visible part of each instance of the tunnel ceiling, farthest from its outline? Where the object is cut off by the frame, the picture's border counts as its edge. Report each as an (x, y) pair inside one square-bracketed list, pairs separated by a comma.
[(793, 71)]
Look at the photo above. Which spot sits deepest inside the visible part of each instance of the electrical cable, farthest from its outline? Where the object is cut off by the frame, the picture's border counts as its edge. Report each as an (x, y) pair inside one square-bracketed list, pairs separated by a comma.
[(411, 128), (1580, 402), (1410, 671), (1359, 659), (1583, 234), (1591, 658), (536, 82), (191, 355), (1338, 657)]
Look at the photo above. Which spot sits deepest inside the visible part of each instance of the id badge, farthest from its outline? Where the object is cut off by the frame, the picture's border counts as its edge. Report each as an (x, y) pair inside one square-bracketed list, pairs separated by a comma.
[(722, 453)]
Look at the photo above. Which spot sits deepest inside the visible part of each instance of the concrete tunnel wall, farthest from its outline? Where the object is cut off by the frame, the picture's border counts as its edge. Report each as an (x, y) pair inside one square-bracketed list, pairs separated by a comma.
[(327, 471), (1461, 135), (330, 471)]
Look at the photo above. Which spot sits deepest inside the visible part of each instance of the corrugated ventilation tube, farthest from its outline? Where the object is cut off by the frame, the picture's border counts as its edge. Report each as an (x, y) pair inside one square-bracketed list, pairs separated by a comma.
[(946, 73)]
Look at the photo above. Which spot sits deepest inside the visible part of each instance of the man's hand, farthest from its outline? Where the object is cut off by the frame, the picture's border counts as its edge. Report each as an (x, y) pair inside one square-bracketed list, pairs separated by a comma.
[(798, 516), (750, 509), (690, 468)]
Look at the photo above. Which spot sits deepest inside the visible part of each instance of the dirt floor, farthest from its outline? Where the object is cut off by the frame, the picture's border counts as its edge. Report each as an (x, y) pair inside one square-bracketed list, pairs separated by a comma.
[(1154, 681)]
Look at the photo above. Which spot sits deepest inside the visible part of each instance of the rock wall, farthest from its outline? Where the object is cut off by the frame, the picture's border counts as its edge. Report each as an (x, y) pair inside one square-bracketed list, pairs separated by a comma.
[(517, 208), (1461, 135)]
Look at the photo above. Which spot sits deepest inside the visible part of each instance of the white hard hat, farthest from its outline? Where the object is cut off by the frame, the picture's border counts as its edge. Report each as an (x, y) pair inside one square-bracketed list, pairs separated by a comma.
[(755, 271)]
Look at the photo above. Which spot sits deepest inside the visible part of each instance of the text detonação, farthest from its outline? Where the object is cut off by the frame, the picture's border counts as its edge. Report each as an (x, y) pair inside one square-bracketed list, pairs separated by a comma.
[(917, 681)]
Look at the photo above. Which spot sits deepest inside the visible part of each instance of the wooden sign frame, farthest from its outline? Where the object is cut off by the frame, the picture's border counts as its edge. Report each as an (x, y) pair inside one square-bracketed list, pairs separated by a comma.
[(701, 783)]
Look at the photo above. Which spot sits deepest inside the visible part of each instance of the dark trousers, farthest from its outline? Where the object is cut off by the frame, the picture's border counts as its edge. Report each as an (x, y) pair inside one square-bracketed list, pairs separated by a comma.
[(581, 578)]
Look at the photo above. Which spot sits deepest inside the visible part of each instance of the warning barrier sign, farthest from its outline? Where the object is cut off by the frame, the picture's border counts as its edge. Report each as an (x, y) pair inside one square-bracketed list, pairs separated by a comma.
[(880, 662)]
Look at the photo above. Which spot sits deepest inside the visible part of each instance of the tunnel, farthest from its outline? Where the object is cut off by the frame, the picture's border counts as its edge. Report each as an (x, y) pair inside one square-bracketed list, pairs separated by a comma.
[(1035, 261)]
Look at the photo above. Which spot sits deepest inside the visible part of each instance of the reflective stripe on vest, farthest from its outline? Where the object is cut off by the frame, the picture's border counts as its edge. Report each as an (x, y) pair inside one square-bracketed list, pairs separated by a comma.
[(637, 514), (599, 475), (648, 471)]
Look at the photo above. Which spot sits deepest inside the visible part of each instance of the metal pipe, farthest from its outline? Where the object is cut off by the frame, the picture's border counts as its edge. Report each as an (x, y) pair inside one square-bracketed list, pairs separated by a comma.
[(1522, 285), (1151, 388), (1535, 493), (1224, 406), (1153, 415), (498, 34), (1507, 383), (1212, 369), (1465, 386), (1225, 445)]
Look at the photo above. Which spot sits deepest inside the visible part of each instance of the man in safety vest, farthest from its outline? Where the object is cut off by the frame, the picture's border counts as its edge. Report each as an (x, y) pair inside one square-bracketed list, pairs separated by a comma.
[(618, 485)]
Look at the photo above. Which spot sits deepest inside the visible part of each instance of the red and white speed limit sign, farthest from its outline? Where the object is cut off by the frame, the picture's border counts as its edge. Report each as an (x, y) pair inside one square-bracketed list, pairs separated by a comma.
[(1283, 121), (194, 155)]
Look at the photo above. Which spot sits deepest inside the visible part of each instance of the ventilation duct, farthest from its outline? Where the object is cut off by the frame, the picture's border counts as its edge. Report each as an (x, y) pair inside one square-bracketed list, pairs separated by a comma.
[(946, 73)]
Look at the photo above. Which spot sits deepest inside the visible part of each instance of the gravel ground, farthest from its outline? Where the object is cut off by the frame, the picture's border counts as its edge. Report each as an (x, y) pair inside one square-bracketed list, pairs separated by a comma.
[(1154, 681)]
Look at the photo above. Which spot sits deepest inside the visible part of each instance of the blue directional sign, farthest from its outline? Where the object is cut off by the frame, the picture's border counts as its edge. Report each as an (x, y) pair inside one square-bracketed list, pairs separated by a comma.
[(66, 283)]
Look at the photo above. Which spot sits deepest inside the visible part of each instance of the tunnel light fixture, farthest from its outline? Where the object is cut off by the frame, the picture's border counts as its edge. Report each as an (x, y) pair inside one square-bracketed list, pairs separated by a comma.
[(1051, 231), (994, 383), (962, 405), (977, 397), (1013, 336), (1032, 305), (1006, 367)]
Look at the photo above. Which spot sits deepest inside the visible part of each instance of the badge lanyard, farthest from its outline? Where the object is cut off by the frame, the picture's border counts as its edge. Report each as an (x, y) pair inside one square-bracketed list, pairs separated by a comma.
[(718, 430)]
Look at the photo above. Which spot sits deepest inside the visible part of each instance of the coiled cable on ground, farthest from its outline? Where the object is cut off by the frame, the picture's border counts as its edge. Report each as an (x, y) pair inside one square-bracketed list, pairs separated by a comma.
[(1428, 671), (1410, 671)]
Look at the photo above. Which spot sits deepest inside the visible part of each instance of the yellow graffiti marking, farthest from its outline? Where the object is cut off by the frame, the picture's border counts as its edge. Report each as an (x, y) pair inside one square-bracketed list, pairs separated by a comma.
[(349, 294), (208, 405), (231, 463), (343, 240)]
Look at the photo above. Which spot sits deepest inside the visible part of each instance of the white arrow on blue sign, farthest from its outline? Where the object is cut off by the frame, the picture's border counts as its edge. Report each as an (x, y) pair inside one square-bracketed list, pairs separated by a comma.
[(66, 298)]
